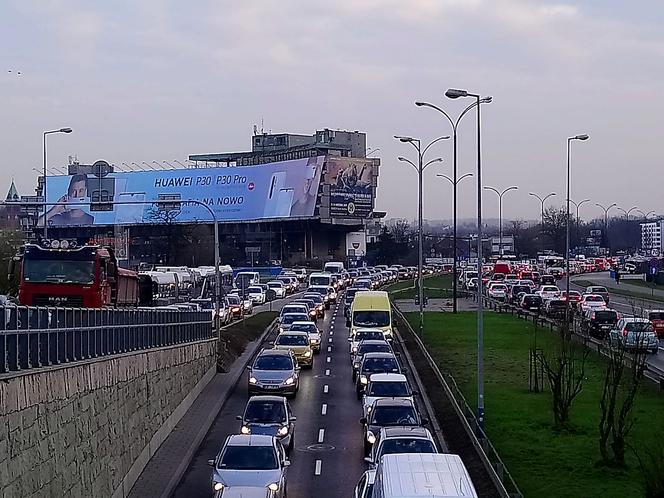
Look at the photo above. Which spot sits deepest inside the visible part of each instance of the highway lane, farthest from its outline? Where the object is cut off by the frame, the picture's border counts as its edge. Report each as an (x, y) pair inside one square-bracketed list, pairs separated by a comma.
[(328, 436)]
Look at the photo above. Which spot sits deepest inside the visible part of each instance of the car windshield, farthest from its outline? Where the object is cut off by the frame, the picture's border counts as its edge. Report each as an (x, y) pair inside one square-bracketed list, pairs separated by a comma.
[(315, 298), (294, 317), (639, 327), (550, 288), (599, 290), (59, 271), (406, 445), (304, 327), (394, 415), (275, 285), (363, 335), (265, 412), (374, 365), (255, 290), (350, 294), (273, 362), (249, 458), (371, 318), (319, 290), (373, 348), (233, 300), (319, 280), (292, 340), (388, 389)]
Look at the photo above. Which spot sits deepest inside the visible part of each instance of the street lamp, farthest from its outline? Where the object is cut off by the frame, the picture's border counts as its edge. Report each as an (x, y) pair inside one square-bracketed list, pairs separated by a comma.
[(455, 182), (455, 94), (168, 164), (158, 164), (176, 161), (371, 151), (581, 137), (138, 166), (578, 205), (645, 215), (542, 201), (627, 213), (59, 130), (419, 167), (606, 220), (500, 214), (148, 165)]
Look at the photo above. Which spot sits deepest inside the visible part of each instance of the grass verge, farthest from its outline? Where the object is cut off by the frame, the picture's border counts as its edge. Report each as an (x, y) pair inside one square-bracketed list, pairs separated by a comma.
[(435, 286), (543, 461), (234, 339), (622, 292)]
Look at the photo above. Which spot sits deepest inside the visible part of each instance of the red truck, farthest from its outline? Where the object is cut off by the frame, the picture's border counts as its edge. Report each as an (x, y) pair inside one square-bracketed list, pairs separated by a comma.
[(86, 276)]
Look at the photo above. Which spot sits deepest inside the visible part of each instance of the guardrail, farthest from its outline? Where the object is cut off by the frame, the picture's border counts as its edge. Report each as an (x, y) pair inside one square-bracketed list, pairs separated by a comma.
[(653, 372), (35, 337), (490, 460)]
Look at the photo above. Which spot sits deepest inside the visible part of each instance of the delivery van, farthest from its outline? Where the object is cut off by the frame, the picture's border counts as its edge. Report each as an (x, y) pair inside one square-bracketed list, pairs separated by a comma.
[(371, 309), (414, 475)]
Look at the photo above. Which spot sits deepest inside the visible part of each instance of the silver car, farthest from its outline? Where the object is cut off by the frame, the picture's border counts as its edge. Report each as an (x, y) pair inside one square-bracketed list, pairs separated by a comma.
[(274, 372), (637, 334), (250, 461), (271, 416)]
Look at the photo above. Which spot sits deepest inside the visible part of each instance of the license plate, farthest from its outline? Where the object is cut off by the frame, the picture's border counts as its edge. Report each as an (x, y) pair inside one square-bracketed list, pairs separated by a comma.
[(271, 387)]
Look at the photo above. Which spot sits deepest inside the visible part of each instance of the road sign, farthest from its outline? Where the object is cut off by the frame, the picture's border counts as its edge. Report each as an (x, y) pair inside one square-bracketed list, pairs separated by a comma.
[(252, 249), (654, 263)]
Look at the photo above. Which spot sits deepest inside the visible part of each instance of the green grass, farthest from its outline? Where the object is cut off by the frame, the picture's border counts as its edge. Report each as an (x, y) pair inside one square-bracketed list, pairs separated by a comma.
[(623, 292), (435, 286), (543, 461)]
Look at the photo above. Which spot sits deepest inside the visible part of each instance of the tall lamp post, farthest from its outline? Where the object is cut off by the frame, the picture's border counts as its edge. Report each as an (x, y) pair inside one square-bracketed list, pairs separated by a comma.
[(581, 137), (628, 212), (645, 215), (606, 219), (59, 130), (454, 247), (455, 94), (500, 213), (542, 201), (577, 206), (455, 182), (419, 167)]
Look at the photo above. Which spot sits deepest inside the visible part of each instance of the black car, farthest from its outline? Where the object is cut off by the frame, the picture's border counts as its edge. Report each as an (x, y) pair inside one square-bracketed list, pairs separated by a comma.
[(368, 346), (531, 302), (547, 280), (348, 299), (389, 412), (374, 363), (598, 323), (320, 303), (516, 291)]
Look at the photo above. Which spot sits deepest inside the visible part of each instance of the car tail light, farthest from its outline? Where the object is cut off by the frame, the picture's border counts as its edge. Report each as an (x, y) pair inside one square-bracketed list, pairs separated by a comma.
[(624, 332)]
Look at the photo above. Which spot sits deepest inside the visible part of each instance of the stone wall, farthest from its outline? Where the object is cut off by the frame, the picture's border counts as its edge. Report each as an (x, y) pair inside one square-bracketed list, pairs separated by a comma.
[(76, 431)]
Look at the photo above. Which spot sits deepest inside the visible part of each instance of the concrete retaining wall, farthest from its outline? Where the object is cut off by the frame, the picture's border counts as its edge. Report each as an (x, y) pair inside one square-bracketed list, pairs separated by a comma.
[(84, 430)]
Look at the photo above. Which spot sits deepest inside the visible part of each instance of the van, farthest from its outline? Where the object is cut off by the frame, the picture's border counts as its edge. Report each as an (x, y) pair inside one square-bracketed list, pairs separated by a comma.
[(414, 475), (320, 279), (246, 279), (333, 267), (371, 309)]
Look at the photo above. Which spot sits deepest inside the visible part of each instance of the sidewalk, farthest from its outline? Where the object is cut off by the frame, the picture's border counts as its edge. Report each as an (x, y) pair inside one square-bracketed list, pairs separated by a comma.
[(624, 285)]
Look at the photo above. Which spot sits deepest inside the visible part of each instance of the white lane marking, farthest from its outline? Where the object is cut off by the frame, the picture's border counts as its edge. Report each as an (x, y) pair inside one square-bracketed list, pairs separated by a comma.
[(323, 409), (326, 388), (329, 340), (331, 332), (327, 372), (321, 435), (328, 359), (319, 465), (329, 348)]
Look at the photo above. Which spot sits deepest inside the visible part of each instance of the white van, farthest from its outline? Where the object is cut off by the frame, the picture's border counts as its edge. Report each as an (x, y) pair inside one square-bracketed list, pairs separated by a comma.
[(246, 279), (334, 267), (320, 279), (414, 475)]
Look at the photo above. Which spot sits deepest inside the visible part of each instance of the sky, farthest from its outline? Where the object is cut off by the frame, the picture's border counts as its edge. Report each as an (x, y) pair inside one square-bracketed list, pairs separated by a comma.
[(147, 80)]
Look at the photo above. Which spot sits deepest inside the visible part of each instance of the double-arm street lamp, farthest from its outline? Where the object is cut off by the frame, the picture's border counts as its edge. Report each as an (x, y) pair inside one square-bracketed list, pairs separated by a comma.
[(578, 205), (606, 219), (500, 213), (419, 167), (542, 201), (645, 215), (581, 137), (627, 212), (453, 94), (60, 130)]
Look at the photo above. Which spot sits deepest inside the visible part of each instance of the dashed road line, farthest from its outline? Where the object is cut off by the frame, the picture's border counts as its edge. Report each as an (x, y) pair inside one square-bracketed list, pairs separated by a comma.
[(327, 372), (323, 409), (328, 359), (319, 467), (329, 348), (326, 388), (321, 435)]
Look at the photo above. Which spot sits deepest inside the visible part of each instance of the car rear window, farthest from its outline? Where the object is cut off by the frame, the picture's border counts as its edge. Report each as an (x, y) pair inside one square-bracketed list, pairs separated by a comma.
[(656, 315), (606, 316)]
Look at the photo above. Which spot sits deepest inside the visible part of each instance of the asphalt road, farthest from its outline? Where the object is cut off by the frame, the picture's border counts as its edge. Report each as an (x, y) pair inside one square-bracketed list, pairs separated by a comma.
[(328, 457)]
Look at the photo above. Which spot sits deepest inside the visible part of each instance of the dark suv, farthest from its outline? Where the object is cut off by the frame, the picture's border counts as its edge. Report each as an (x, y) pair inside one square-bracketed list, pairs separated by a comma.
[(598, 323)]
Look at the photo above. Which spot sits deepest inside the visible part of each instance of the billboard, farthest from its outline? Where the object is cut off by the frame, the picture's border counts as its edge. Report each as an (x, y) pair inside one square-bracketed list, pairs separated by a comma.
[(275, 190), (356, 244), (351, 187)]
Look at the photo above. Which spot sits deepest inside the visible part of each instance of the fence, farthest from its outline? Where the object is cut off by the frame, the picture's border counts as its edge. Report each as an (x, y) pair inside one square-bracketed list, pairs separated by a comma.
[(34, 337)]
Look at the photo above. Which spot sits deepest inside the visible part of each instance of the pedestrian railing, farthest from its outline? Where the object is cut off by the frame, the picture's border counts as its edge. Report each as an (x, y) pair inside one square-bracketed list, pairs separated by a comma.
[(34, 337)]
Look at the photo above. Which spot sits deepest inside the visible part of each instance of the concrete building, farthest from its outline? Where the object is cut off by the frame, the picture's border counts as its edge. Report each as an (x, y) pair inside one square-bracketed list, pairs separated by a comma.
[(651, 237)]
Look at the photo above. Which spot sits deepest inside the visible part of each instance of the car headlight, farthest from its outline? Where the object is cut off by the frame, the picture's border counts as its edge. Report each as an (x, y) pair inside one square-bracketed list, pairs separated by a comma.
[(245, 430), (281, 329), (326, 298), (371, 437), (217, 486), (356, 365), (307, 354), (289, 381), (273, 486), (354, 349), (253, 380), (364, 380), (313, 341), (369, 408), (283, 431)]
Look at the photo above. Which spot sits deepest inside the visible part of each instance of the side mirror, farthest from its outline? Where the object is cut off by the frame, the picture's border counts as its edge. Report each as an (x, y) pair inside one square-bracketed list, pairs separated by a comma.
[(368, 460), (248, 367), (425, 421), (238, 417), (286, 463), (210, 463), (293, 419), (350, 339), (363, 420), (415, 393)]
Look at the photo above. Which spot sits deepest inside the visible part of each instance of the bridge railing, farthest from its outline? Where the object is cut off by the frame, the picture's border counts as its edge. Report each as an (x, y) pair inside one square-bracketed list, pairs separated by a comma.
[(35, 337)]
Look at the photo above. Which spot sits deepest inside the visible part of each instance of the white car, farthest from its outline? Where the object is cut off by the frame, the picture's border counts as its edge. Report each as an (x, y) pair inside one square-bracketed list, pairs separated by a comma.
[(549, 292), (591, 302), (498, 291), (278, 287), (385, 385), (256, 295), (310, 328)]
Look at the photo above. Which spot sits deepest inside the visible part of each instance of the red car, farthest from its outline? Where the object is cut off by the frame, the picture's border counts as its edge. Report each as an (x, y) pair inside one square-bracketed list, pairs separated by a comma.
[(574, 297), (657, 319)]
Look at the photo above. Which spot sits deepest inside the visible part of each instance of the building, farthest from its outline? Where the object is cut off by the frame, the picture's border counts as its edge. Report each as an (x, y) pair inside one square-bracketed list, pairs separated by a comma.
[(651, 237), (292, 198), (9, 213)]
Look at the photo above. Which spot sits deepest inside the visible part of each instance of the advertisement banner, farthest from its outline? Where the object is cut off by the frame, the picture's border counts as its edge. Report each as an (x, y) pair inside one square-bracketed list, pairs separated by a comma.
[(275, 190), (351, 190), (356, 244)]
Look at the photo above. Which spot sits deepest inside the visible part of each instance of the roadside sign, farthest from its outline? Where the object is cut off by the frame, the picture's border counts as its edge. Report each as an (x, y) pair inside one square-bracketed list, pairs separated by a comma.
[(654, 263)]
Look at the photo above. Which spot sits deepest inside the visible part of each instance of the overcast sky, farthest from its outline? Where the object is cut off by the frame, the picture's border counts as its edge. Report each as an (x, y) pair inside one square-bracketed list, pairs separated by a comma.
[(159, 80)]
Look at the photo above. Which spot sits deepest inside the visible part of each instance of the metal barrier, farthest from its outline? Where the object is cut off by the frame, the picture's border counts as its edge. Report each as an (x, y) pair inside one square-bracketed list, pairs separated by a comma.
[(34, 337)]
